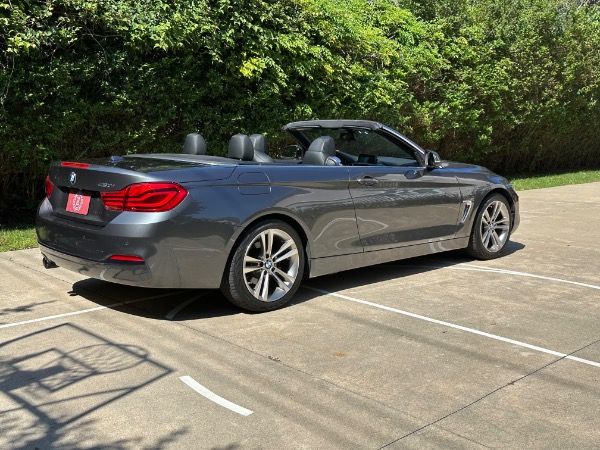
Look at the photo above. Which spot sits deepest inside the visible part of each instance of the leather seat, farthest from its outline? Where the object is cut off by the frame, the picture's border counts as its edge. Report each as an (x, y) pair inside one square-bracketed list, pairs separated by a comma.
[(240, 147), (261, 151), (319, 150), (194, 144)]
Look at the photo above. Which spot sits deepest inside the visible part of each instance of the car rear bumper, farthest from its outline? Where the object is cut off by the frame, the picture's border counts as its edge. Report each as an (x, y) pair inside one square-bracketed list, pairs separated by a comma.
[(135, 274), (176, 253)]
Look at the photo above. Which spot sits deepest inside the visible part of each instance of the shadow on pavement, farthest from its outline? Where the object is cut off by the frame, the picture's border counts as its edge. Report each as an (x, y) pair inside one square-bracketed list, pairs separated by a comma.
[(53, 380), (397, 270), (155, 303), (23, 308), (162, 304)]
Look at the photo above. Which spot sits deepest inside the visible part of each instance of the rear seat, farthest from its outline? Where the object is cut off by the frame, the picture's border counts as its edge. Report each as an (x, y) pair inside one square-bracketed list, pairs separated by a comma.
[(261, 151)]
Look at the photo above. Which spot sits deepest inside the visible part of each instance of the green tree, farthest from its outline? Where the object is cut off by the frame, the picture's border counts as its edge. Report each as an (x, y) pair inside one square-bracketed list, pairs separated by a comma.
[(511, 84)]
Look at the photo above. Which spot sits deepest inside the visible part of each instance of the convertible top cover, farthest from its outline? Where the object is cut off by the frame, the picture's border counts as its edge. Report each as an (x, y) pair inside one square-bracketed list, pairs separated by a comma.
[(365, 124)]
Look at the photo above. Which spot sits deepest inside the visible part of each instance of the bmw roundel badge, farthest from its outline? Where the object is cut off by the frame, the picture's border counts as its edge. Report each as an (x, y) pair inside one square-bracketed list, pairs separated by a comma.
[(73, 178)]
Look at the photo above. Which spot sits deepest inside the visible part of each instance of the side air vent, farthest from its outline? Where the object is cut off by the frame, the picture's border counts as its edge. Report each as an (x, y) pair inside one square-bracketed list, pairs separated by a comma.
[(467, 205)]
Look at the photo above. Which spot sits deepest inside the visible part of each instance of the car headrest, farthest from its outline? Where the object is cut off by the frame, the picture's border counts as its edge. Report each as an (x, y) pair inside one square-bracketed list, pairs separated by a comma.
[(261, 151), (259, 143), (240, 147), (319, 150), (194, 144)]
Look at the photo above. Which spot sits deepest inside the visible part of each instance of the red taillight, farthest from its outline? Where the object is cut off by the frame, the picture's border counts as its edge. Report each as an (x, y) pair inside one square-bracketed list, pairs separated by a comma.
[(145, 197), (74, 164), (126, 258), (49, 185)]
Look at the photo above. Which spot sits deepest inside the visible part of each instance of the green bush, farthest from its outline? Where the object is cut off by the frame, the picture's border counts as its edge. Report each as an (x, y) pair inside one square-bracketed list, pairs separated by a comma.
[(512, 84)]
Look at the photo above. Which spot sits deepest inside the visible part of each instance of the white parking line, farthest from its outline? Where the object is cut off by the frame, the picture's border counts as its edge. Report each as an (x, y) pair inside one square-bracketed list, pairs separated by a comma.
[(458, 327), (475, 268), (519, 274), (84, 311), (171, 314), (214, 397)]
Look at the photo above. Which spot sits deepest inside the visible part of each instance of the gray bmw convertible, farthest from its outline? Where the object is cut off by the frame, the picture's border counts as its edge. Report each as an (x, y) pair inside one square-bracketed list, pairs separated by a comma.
[(354, 193)]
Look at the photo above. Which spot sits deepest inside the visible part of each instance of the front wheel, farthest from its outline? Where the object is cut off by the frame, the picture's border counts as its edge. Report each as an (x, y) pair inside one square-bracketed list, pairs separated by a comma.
[(491, 228), (266, 268)]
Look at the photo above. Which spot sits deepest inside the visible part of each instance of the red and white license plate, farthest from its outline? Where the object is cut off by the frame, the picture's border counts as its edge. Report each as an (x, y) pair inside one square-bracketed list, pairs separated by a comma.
[(78, 203)]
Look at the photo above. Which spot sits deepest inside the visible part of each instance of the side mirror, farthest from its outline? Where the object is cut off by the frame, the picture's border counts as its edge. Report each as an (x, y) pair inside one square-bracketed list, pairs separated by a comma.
[(432, 160)]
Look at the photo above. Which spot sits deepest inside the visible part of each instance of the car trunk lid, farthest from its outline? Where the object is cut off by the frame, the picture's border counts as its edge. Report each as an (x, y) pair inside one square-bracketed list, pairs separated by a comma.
[(78, 186)]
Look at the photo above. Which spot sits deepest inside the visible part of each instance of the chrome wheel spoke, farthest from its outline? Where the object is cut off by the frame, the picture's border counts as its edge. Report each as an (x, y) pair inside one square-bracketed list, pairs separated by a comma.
[(486, 238), (292, 252), (259, 284), (495, 240), (287, 244), (250, 259), (284, 275), (269, 239), (251, 264), (263, 245), (485, 218), (280, 282), (496, 211), (265, 290)]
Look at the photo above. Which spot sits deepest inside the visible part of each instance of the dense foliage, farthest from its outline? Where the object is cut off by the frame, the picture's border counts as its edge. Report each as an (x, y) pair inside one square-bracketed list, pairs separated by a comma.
[(512, 84)]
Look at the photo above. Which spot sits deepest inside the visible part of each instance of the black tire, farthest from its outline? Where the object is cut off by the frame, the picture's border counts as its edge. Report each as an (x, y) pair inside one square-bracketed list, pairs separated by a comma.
[(491, 228), (263, 276)]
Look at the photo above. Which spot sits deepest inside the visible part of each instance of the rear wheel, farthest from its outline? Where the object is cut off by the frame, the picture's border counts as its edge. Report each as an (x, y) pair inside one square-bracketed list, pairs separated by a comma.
[(491, 228), (266, 268)]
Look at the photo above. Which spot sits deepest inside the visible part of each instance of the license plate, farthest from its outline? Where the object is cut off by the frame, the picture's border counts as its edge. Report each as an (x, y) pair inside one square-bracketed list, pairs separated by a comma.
[(78, 203)]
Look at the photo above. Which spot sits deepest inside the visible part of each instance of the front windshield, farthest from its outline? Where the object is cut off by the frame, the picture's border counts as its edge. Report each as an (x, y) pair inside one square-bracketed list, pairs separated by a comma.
[(357, 146)]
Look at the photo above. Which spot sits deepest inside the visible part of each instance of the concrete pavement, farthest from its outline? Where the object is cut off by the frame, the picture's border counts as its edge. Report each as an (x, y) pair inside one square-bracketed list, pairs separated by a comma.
[(434, 352)]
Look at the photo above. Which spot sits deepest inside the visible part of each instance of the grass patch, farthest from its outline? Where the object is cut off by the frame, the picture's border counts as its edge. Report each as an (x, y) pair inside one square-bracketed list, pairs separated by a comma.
[(522, 182), (17, 238)]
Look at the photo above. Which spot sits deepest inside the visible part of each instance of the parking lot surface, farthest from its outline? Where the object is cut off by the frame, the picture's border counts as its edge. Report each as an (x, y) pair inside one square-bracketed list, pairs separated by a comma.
[(435, 352)]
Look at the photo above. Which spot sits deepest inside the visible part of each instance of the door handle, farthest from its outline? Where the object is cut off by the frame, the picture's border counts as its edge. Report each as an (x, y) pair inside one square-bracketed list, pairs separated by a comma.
[(368, 180)]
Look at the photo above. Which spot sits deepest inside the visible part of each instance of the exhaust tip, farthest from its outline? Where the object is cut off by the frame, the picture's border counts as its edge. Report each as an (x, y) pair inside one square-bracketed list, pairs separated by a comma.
[(48, 264)]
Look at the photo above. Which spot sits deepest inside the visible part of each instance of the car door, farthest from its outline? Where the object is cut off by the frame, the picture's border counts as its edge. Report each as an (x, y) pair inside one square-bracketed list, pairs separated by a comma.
[(398, 202)]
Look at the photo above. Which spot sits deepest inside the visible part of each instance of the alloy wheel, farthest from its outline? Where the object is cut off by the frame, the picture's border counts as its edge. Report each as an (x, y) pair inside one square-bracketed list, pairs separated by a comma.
[(271, 264), (495, 226)]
